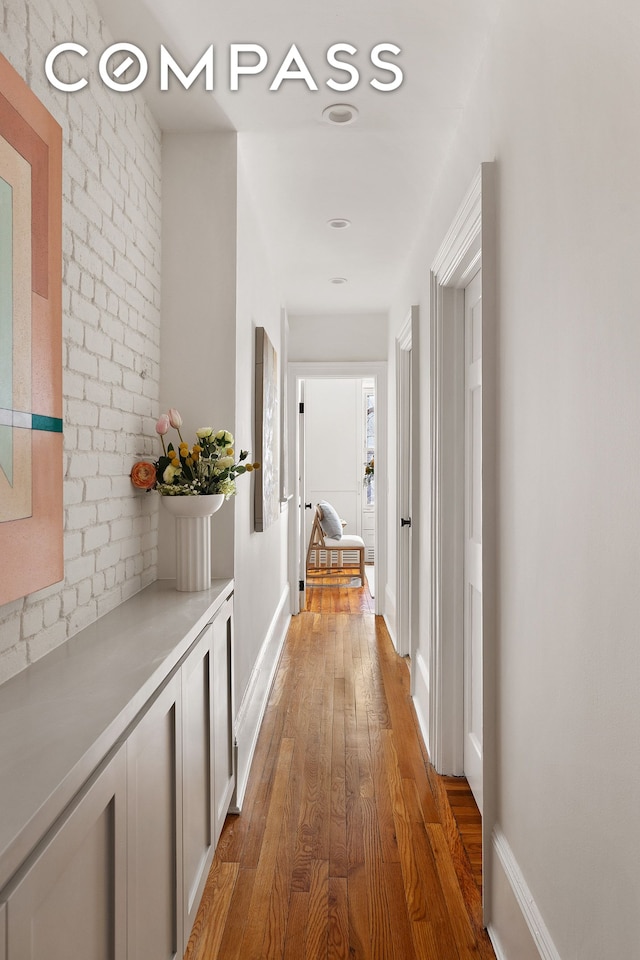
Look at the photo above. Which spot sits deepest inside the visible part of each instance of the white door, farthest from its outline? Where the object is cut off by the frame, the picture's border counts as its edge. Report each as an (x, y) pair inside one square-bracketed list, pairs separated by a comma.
[(473, 536), (333, 457), (403, 475)]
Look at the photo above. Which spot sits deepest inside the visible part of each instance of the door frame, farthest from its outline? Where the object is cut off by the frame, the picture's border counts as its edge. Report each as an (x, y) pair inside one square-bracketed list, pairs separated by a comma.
[(469, 244), (331, 370), (407, 501)]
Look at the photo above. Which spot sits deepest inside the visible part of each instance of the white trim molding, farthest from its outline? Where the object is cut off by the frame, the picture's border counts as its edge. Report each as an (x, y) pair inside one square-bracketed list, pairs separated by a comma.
[(256, 696), (421, 695), (390, 614), (470, 244), (458, 258), (407, 584), (524, 898)]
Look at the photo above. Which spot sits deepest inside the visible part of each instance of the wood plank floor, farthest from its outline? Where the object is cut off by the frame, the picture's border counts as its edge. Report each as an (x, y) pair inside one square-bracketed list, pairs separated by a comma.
[(347, 845), (325, 596)]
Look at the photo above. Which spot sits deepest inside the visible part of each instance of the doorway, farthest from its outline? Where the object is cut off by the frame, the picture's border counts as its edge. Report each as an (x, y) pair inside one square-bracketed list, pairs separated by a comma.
[(339, 438), (472, 523), (407, 488), (461, 727), (358, 381)]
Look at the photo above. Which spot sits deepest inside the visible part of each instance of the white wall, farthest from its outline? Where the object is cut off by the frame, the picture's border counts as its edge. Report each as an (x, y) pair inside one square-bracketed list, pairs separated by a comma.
[(341, 337), (262, 592), (111, 334), (217, 287), (553, 106), (198, 372)]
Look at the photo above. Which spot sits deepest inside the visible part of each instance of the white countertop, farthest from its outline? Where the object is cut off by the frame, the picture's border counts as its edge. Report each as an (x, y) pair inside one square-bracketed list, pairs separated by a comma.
[(61, 716)]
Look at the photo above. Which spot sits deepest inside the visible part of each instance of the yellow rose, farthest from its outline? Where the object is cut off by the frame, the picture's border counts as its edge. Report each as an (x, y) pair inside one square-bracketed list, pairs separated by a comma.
[(223, 436), (169, 473)]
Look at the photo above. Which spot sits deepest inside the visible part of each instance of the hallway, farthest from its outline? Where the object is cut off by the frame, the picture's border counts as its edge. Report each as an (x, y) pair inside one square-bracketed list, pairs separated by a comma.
[(346, 846)]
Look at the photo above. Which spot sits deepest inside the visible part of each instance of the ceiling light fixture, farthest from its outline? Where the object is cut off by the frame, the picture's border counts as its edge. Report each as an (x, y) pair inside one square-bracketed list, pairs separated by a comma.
[(340, 114), (339, 223), (338, 280)]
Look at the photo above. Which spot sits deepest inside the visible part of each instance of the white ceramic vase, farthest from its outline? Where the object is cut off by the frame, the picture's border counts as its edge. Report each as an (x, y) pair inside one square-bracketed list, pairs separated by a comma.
[(193, 539)]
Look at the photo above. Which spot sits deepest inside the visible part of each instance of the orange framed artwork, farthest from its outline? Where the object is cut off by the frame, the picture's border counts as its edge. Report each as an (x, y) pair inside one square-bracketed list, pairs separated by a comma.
[(31, 505)]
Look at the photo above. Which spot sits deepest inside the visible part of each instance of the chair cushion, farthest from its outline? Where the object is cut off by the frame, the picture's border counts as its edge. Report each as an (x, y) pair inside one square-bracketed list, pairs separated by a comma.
[(330, 521), (344, 543)]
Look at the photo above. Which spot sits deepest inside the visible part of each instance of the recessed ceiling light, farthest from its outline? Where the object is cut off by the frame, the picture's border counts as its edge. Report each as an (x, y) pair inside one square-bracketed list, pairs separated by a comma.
[(341, 114), (338, 280), (339, 223)]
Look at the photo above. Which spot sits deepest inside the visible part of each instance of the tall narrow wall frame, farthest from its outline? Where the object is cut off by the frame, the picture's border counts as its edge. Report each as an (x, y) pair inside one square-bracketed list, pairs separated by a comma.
[(31, 504)]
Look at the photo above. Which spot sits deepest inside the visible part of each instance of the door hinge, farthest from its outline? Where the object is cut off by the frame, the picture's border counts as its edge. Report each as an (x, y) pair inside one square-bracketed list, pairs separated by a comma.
[(300, 584), (301, 408), (405, 523)]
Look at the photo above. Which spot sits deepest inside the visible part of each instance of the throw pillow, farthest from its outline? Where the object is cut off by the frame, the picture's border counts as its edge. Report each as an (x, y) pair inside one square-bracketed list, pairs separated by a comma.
[(330, 521)]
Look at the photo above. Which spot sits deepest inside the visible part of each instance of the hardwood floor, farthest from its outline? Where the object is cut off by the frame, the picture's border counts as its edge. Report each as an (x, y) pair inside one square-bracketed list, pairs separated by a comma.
[(324, 596), (347, 846)]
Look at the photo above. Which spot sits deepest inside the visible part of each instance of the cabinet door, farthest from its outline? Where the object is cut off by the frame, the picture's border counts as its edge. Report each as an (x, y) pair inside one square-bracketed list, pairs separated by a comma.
[(224, 774), (197, 773), (154, 815), (69, 899)]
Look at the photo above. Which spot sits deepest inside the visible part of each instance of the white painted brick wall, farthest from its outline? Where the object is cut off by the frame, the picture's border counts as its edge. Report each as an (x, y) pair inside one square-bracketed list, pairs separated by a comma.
[(111, 328)]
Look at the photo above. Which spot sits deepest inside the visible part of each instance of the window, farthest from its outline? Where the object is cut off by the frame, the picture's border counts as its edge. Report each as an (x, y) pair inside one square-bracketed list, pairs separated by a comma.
[(369, 404)]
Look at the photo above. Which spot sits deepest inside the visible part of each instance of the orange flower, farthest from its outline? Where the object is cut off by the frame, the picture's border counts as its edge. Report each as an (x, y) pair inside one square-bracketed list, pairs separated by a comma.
[(143, 475)]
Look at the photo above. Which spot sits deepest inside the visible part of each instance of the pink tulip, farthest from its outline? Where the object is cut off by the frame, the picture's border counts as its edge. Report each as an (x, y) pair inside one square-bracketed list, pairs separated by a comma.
[(175, 420), (163, 424)]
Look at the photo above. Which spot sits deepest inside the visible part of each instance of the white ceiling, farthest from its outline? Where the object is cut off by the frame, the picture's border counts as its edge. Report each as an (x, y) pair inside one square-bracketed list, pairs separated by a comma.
[(379, 172)]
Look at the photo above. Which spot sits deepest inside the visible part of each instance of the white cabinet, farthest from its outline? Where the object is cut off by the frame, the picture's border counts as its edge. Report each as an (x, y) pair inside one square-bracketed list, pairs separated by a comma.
[(224, 767), (207, 753), (69, 899), (120, 874), (180, 782), (197, 765), (154, 800)]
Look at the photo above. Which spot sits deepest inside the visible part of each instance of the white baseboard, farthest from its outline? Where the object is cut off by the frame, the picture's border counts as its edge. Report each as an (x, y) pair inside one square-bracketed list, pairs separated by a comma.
[(389, 615), (421, 697), (256, 696), (495, 943), (540, 936)]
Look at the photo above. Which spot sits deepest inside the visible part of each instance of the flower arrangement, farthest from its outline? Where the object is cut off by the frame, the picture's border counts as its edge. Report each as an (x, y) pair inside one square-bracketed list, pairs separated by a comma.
[(369, 469), (208, 466)]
